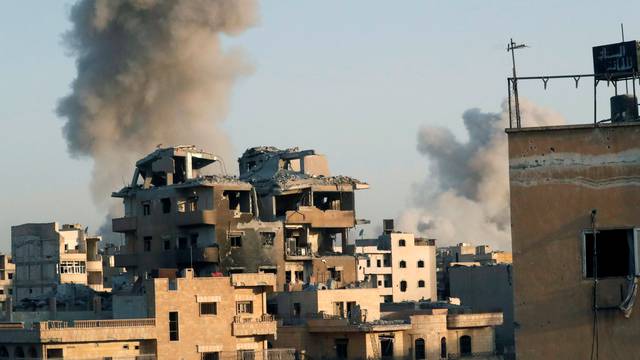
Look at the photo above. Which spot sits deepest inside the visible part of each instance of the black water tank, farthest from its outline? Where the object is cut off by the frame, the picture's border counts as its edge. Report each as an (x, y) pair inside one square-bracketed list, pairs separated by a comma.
[(624, 108)]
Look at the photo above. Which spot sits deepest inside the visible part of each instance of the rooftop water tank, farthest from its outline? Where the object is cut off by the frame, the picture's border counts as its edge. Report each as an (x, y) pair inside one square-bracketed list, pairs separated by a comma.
[(624, 108)]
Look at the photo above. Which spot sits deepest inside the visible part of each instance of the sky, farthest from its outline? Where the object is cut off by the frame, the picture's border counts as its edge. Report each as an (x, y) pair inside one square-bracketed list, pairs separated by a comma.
[(354, 80)]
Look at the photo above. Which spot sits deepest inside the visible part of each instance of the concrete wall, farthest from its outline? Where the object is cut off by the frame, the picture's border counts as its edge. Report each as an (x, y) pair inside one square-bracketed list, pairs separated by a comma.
[(411, 254), (557, 176)]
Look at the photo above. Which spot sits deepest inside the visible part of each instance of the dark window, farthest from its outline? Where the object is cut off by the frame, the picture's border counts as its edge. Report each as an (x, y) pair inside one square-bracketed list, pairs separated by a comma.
[(403, 264), (235, 240), (244, 307), (287, 276), (420, 263), (246, 354), (173, 284), (300, 276), (403, 286), (386, 347), (296, 310), (166, 205), (379, 282), (10, 276), (443, 347), (182, 242), (208, 308), (615, 253), (402, 242), (378, 263), (419, 349), (146, 208), (420, 283), (55, 354), (173, 326), (167, 245), (387, 281), (341, 348), (210, 356), (268, 238), (18, 352), (368, 262), (193, 240), (147, 243), (335, 274), (465, 345)]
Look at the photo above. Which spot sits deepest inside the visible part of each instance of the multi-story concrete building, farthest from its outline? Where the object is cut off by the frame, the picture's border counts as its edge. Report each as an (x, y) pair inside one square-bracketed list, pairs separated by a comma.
[(574, 195), (46, 255), (7, 271), (284, 211), (487, 288), (347, 324), (170, 318), (401, 266), (468, 255)]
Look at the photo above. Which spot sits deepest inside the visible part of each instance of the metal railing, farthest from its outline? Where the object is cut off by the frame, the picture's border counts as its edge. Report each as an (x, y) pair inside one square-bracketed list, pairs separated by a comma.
[(89, 324), (263, 318), (304, 250)]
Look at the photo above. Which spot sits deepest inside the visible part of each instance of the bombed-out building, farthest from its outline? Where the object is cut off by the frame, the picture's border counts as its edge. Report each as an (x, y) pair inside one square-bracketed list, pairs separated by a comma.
[(283, 213)]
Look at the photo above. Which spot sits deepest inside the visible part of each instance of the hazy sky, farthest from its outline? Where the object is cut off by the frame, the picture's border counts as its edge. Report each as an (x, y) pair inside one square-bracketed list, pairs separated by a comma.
[(355, 80)]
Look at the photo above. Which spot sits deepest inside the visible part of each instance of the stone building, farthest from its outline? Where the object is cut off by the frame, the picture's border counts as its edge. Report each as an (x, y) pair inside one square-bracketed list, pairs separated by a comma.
[(571, 187), (7, 271), (401, 266), (169, 318), (46, 255), (348, 324), (284, 211)]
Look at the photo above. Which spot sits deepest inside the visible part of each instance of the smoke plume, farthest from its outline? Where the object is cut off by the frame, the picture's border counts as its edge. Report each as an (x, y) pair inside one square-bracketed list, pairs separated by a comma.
[(149, 72), (465, 197)]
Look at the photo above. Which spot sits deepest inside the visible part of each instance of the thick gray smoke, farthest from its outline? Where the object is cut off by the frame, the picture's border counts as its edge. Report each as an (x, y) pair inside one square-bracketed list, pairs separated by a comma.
[(465, 197), (149, 72)]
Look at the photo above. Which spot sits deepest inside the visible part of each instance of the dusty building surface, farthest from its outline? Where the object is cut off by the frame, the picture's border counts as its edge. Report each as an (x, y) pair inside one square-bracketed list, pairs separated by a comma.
[(284, 211), (566, 181), (7, 272), (348, 324), (185, 317), (47, 255), (487, 288), (400, 265)]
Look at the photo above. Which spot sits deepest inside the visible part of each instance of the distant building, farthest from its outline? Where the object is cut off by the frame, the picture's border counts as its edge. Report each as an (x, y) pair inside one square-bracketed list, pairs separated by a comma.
[(401, 266), (465, 254), (47, 255), (487, 288), (7, 272)]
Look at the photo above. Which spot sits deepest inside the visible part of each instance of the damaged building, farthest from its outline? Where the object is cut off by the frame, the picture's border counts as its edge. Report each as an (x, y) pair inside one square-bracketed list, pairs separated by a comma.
[(282, 215)]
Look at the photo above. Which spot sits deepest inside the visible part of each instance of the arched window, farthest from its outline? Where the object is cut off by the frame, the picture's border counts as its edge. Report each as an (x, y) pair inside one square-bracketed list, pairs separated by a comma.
[(33, 353), (403, 286), (402, 242), (465, 345), (18, 352), (420, 263), (420, 283), (4, 353), (419, 349), (403, 264), (443, 347)]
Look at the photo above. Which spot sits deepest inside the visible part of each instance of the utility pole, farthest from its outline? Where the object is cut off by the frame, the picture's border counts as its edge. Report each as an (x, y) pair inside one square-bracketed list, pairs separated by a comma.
[(512, 46)]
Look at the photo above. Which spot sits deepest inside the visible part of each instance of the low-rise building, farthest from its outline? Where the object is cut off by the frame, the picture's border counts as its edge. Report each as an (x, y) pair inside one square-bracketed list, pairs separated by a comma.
[(7, 271)]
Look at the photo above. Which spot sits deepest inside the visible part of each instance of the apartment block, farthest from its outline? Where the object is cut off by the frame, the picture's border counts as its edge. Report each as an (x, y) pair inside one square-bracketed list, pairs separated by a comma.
[(47, 254), (7, 272)]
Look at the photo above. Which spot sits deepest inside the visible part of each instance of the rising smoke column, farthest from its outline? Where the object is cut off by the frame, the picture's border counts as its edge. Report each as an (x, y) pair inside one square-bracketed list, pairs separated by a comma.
[(149, 72), (465, 197)]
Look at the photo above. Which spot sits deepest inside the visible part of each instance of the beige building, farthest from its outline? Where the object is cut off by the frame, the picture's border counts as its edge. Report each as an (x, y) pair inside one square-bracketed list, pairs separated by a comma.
[(171, 318), (7, 272), (566, 182), (401, 266), (347, 324), (284, 211), (46, 255)]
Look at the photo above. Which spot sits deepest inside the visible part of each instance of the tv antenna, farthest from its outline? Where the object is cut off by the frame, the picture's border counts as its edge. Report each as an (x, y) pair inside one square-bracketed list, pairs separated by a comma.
[(512, 47)]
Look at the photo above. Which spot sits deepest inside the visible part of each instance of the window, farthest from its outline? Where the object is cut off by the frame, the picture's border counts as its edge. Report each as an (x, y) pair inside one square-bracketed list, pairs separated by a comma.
[(386, 346), (173, 326), (443, 347), (368, 262), (166, 205), (403, 264), (341, 348), (244, 307), (210, 356), (420, 263), (147, 243), (419, 350), (268, 238), (235, 240), (173, 284), (246, 354), (55, 353), (193, 240), (403, 286), (296, 310), (208, 308), (615, 253), (167, 245), (402, 242), (181, 206), (465, 345), (421, 283), (182, 242), (379, 282), (378, 263), (73, 267), (18, 352), (335, 274), (387, 281), (192, 203), (10, 276), (146, 208)]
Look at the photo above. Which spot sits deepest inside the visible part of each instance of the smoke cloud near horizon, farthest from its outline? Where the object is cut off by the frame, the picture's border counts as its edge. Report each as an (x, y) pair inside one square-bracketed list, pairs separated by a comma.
[(149, 72), (465, 197)]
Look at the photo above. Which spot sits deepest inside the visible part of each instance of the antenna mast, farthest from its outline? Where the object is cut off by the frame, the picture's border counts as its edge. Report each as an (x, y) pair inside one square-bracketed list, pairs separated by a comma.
[(512, 46)]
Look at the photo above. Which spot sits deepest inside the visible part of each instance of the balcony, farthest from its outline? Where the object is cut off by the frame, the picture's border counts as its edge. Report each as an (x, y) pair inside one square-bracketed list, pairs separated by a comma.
[(208, 254), (253, 279), (321, 219), (95, 265), (124, 224), (265, 325), (196, 218), (126, 260), (302, 252), (459, 321)]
